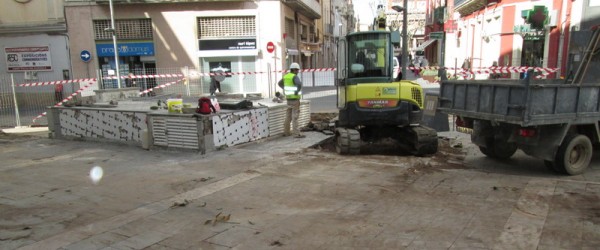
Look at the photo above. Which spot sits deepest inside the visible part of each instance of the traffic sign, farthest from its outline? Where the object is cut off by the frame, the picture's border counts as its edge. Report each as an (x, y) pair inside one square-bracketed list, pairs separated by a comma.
[(270, 47), (85, 56), (439, 35)]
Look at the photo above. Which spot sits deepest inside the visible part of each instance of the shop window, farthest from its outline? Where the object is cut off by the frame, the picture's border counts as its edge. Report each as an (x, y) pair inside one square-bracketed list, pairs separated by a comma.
[(228, 26)]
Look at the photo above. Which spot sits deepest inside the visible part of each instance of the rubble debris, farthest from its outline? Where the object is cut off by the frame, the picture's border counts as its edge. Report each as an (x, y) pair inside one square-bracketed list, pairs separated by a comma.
[(180, 204), (276, 243), (219, 218), (205, 179)]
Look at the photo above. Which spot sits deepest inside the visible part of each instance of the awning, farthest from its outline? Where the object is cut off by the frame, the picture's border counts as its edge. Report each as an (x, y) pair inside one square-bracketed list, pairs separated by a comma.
[(424, 45)]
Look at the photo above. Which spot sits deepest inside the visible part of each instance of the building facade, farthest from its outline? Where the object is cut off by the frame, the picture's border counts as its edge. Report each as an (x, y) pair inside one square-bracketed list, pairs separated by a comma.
[(512, 33), (33, 40), (203, 36)]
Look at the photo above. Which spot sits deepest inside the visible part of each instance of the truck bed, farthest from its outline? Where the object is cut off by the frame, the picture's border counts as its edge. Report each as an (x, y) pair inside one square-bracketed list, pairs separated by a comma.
[(521, 102)]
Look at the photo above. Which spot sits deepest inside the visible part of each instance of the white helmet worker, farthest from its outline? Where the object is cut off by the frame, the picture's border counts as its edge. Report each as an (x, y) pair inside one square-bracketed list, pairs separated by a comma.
[(295, 66)]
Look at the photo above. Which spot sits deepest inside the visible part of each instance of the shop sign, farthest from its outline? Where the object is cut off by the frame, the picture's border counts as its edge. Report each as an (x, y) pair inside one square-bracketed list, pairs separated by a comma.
[(528, 33), (536, 17), (228, 44), (126, 49), (28, 59)]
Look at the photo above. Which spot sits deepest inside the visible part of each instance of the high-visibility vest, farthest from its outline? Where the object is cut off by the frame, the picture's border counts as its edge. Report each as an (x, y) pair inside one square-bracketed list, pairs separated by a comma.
[(289, 88)]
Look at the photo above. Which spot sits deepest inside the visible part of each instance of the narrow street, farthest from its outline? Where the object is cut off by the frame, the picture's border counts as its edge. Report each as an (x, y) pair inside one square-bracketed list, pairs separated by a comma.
[(286, 193)]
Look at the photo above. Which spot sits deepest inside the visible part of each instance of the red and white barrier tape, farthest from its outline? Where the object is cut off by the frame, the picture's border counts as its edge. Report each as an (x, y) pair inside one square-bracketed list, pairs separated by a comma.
[(54, 82), (67, 99), (544, 72), (161, 86), (144, 76)]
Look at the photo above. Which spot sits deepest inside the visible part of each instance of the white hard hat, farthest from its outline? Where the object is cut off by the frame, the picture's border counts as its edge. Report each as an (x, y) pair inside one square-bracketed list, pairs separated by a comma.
[(294, 66)]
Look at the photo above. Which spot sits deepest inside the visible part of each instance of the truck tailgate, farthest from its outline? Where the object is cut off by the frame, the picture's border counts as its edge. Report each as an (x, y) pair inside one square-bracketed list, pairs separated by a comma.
[(538, 102)]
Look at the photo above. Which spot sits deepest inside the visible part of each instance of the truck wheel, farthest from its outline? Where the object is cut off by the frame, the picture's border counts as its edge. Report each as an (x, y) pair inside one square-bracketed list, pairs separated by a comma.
[(574, 154), (498, 149), (347, 141)]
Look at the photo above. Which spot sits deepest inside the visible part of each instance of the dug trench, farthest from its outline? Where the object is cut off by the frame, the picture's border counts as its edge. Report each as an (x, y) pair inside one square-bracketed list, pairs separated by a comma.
[(449, 155)]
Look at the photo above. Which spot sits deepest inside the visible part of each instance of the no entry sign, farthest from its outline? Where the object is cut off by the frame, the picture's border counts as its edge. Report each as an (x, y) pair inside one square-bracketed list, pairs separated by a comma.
[(270, 47)]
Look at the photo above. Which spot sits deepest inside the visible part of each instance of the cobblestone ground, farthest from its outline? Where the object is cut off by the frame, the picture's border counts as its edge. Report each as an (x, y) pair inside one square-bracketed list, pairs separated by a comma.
[(286, 193)]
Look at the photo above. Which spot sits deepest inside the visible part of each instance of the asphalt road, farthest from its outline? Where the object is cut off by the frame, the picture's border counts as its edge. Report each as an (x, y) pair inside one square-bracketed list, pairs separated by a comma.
[(284, 194)]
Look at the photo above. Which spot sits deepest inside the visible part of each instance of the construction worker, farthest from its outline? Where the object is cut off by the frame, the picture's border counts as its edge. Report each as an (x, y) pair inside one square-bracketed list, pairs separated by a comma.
[(292, 88), (58, 92)]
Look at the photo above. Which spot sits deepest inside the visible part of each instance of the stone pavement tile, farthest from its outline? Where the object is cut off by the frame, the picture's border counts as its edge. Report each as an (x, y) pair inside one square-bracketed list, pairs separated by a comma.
[(479, 237), (96, 241), (525, 225), (141, 241), (339, 232), (486, 219), (591, 231), (189, 238), (139, 226), (281, 234), (444, 229), (159, 246), (567, 238), (505, 191), (15, 243), (232, 237), (390, 240)]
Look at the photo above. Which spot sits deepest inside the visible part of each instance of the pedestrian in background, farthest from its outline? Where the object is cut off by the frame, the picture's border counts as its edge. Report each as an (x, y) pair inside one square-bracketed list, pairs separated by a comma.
[(58, 95), (214, 85), (292, 88), (494, 69)]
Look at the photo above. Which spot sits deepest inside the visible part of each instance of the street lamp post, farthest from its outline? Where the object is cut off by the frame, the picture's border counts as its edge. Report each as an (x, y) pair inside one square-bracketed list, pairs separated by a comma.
[(114, 38), (404, 35), (404, 38)]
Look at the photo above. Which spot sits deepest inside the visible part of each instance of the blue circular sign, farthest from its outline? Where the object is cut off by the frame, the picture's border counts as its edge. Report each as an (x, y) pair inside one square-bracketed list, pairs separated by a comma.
[(85, 56)]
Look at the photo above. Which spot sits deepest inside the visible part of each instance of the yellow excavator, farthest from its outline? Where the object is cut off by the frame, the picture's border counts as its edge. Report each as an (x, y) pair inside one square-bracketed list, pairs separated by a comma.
[(372, 103)]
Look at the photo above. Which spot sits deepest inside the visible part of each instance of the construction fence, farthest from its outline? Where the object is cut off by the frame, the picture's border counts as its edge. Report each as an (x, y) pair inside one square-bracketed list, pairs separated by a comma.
[(23, 102)]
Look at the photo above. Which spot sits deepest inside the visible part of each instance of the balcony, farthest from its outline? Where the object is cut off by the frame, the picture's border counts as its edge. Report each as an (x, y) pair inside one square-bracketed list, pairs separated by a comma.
[(439, 15), (51, 26), (466, 7), (154, 1), (308, 8)]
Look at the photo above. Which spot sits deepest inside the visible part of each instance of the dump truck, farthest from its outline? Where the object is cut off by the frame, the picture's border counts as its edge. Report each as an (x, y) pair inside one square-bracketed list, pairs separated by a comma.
[(555, 120)]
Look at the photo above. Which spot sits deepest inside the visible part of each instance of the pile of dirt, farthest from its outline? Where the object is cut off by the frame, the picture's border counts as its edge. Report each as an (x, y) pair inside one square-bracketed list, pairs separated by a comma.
[(323, 117), (4, 137)]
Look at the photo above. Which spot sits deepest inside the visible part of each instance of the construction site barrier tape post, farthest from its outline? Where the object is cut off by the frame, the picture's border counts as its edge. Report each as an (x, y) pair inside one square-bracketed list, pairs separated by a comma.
[(67, 99)]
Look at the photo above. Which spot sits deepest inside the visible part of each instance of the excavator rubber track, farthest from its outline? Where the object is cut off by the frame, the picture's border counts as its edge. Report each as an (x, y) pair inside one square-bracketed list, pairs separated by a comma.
[(347, 141), (419, 140), (425, 140)]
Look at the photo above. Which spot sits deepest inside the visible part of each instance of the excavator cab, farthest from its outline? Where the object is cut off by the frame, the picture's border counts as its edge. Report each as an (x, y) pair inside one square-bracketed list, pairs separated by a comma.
[(366, 54)]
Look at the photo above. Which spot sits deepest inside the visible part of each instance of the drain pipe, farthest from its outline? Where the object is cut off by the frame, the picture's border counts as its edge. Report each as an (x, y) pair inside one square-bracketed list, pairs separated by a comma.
[(561, 42)]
